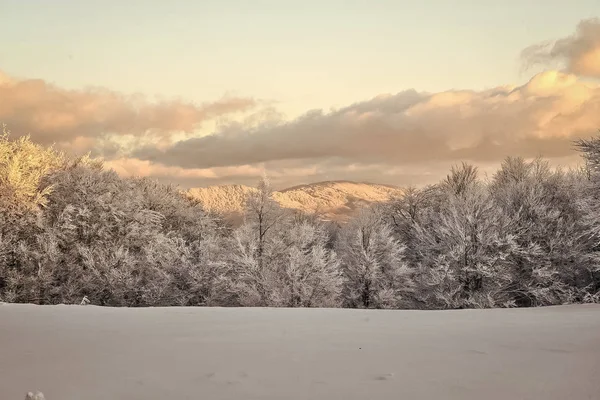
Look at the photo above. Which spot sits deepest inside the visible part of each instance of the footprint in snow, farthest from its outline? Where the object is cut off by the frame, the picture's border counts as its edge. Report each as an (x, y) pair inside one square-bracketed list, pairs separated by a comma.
[(384, 377)]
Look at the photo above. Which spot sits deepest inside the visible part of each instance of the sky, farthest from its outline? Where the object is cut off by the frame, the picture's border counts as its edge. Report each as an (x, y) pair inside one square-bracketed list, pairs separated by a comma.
[(215, 92)]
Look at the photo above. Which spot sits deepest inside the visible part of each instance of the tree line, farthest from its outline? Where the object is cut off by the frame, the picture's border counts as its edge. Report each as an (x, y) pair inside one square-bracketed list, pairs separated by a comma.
[(527, 236)]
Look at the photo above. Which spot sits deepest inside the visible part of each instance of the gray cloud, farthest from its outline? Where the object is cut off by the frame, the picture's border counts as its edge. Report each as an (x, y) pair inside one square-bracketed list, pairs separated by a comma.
[(541, 117), (286, 173)]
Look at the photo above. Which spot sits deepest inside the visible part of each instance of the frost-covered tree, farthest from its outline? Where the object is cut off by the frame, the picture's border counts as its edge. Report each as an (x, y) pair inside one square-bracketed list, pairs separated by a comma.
[(464, 245), (254, 247), (70, 229), (105, 236), (280, 260), (264, 216), (590, 204), (546, 222), (23, 165), (404, 214), (460, 180), (309, 271), (119, 241), (376, 274)]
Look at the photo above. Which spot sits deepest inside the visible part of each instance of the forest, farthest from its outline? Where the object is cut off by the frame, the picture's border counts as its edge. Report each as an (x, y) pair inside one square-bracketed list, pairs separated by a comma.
[(527, 236)]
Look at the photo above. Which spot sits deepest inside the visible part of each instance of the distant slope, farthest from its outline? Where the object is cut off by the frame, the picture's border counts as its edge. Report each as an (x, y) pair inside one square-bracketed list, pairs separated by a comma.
[(335, 200), (222, 199)]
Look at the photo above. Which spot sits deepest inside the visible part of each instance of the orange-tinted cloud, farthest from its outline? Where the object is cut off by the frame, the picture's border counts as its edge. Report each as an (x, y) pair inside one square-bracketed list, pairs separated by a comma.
[(407, 138), (541, 117), (53, 114), (141, 168), (580, 52), (242, 174)]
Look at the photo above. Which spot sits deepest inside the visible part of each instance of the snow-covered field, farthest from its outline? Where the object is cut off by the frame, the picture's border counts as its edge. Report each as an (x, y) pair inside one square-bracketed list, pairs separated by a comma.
[(94, 353)]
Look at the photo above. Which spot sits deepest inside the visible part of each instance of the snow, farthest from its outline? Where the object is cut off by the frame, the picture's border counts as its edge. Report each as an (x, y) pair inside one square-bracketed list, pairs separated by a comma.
[(95, 353), (335, 200)]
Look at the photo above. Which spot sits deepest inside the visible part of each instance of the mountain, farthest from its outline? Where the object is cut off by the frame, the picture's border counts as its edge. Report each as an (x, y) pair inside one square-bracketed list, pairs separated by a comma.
[(335, 200)]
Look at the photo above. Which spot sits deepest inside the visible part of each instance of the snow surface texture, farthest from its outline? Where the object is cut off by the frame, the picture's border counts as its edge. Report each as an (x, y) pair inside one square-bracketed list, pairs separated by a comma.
[(94, 353)]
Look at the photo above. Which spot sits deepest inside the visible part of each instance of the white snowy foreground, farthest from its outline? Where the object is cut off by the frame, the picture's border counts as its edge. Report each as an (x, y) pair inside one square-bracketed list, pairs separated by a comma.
[(94, 353)]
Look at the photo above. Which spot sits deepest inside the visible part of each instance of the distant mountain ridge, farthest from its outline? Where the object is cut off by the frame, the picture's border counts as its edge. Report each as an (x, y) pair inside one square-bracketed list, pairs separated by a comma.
[(334, 200)]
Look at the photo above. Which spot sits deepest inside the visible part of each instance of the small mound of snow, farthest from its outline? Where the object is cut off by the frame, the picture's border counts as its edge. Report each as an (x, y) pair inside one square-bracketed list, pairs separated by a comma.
[(36, 396)]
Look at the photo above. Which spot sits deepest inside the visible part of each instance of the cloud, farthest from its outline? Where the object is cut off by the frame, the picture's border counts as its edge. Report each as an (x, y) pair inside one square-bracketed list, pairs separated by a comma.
[(189, 177), (142, 168), (579, 52), (406, 138), (541, 117), (53, 114)]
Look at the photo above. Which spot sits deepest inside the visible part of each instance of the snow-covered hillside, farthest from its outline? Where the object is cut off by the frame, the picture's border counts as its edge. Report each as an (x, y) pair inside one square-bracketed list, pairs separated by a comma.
[(222, 199), (93, 353), (334, 200)]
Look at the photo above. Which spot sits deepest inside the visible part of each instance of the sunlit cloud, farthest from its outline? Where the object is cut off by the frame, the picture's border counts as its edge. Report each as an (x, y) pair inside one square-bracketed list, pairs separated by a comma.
[(51, 114), (540, 118), (580, 52), (409, 138)]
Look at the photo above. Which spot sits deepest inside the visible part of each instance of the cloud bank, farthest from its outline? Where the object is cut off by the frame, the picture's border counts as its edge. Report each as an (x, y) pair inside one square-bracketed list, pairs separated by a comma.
[(407, 138), (409, 130), (53, 114)]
